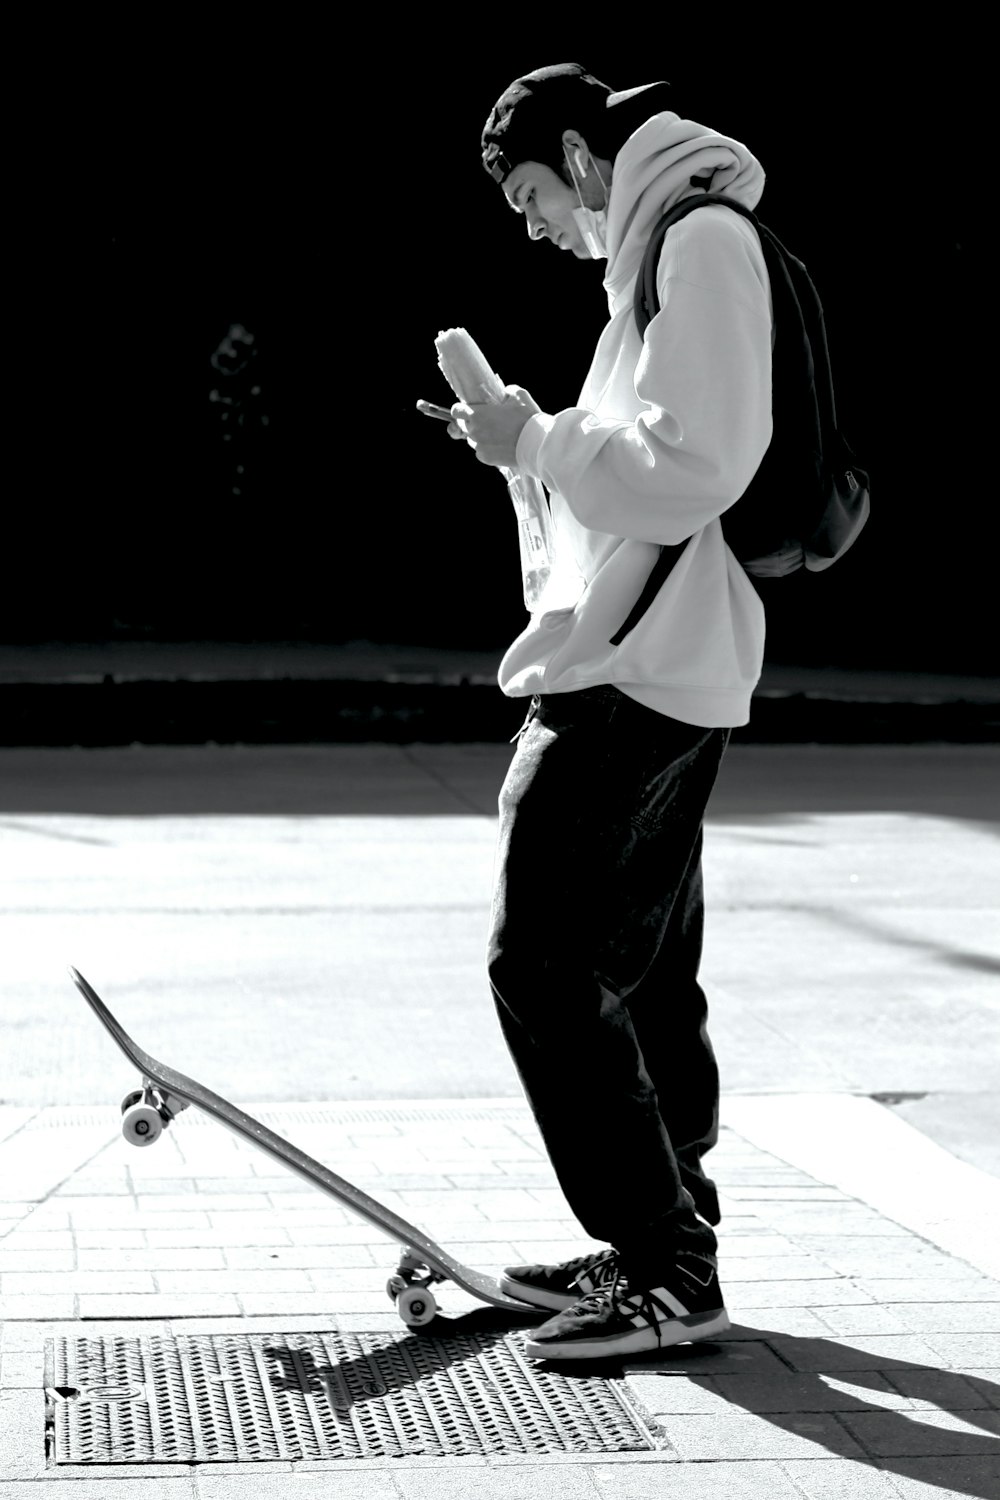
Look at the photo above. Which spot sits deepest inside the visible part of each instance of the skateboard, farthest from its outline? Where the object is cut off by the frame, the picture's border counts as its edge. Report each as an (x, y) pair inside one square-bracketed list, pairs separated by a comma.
[(166, 1092)]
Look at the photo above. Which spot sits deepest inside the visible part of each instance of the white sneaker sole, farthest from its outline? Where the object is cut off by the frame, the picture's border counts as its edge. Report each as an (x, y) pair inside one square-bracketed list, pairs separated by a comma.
[(687, 1330)]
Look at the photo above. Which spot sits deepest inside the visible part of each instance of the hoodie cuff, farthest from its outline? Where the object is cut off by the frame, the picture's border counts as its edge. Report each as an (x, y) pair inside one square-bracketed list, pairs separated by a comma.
[(533, 434)]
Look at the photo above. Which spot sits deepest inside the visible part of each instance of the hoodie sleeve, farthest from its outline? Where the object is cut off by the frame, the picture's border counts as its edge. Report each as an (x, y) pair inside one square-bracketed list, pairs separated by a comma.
[(704, 379)]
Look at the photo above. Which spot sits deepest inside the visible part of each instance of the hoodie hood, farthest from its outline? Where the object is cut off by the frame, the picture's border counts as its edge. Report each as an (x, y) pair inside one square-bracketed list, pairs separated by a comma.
[(653, 171)]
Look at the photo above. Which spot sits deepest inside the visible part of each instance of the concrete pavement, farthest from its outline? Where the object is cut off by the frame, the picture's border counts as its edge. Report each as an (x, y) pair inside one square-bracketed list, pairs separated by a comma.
[(227, 898), (859, 1261), (325, 908)]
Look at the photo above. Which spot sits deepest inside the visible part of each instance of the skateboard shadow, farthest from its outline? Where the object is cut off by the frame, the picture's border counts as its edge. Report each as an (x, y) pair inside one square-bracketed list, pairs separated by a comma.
[(889, 1438), (412, 1357)]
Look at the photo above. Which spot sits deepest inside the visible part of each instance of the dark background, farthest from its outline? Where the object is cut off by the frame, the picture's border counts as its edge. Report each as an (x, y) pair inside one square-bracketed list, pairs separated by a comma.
[(325, 196)]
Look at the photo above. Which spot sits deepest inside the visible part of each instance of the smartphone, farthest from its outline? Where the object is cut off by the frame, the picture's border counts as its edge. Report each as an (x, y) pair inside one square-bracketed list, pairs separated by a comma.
[(430, 410)]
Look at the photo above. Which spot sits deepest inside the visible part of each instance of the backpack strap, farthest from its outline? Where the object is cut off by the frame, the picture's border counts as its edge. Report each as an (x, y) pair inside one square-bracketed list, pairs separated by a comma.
[(658, 575), (646, 300), (646, 304)]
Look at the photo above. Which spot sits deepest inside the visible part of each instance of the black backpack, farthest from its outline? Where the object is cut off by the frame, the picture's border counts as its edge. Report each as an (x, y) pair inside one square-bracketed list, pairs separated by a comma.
[(808, 489)]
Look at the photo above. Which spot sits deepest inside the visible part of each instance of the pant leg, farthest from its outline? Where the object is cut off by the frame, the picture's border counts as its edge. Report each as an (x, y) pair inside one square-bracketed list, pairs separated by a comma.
[(600, 812), (670, 1016)]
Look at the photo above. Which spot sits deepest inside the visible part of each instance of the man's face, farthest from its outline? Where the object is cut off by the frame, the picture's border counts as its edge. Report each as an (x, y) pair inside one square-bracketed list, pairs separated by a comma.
[(547, 203)]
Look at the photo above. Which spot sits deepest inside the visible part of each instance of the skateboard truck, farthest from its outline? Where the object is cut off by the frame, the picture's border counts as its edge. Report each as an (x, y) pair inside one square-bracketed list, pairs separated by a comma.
[(146, 1112)]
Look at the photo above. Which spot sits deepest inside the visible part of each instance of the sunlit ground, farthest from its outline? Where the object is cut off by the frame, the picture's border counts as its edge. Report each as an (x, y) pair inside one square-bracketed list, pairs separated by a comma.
[(308, 922)]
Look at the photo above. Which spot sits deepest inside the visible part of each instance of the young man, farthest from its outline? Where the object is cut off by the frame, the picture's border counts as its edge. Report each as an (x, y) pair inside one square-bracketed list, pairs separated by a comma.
[(597, 916)]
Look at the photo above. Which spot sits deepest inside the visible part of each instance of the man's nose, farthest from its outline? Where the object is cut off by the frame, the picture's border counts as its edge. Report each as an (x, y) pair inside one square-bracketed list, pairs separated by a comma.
[(536, 227)]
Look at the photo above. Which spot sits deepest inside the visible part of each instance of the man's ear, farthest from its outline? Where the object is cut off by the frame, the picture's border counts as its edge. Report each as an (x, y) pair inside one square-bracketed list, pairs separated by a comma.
[(576, 149)]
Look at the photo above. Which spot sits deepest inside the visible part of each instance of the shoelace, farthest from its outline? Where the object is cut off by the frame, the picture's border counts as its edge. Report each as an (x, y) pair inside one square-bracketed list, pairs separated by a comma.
[(592, 1263), (642, 1303)]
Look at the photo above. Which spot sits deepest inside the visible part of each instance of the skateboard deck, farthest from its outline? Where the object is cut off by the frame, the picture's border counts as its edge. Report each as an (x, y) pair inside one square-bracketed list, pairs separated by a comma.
[(166, 1091)]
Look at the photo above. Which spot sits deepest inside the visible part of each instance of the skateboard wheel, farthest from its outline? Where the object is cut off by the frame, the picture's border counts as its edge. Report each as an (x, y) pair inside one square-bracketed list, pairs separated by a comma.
[(141, 1125), (133, 1098), (416, 1306), (394, 1286)]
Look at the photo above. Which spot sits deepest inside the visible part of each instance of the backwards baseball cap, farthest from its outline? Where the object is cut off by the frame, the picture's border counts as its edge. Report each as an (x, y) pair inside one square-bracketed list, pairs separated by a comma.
[(528, 120)]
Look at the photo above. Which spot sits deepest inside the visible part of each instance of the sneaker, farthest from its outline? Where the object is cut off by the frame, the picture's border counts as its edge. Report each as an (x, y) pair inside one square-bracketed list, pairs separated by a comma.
[(615, 1321), (562, 1285)]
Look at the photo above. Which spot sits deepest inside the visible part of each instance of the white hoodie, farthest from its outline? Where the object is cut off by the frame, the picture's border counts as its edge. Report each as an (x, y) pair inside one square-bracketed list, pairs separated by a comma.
[(668, 433)]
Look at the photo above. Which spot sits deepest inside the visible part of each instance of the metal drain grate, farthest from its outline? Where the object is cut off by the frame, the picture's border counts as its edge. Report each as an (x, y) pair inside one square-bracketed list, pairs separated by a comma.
[(253, 1397)]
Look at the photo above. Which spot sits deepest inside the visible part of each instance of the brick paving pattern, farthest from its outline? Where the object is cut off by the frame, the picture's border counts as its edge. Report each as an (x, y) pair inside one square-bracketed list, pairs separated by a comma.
[(864, 1361)]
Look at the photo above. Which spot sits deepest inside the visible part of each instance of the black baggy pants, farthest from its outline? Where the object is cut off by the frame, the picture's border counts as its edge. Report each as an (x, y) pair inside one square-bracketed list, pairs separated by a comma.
[(593, 958)]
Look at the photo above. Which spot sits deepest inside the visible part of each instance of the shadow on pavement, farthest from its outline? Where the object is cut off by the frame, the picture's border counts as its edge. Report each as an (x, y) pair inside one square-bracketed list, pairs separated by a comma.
[(955, 958), (895, 1440), (786, 785), (790, 1392), (778, 787)]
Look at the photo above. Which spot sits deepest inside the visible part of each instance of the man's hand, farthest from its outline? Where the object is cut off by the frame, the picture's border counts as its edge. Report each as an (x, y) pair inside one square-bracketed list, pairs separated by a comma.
[(787, 559), (492, 428)]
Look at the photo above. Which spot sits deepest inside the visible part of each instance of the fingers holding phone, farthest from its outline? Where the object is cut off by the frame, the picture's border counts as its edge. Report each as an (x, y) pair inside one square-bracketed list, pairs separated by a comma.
[(442, 414)]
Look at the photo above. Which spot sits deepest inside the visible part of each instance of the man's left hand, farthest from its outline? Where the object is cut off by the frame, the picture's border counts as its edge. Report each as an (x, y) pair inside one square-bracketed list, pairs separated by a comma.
[(492, 428)]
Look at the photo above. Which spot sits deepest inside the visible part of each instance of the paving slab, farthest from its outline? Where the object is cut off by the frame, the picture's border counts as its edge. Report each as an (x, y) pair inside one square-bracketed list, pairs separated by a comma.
[(950, 1390), (763, 1391), (134, 1487), (763, 1480), (849, 1480), (519, 1484), (874, 1156), (300, 1486), (932, 1432), (751, 1437), (971, 1351), (843, 1386), (932, 1478)]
